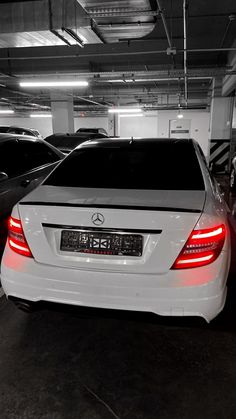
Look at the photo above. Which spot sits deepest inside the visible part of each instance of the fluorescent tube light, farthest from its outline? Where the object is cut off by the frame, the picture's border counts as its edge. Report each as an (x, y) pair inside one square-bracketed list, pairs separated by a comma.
[(54, 84), (131, 115), (40, 115), (124, 110), (119, 81), (114, 81), (6, 111)]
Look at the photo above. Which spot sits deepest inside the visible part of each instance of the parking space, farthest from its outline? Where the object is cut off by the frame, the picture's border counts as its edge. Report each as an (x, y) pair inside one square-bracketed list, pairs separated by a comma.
[(57, 364), (64, 362)]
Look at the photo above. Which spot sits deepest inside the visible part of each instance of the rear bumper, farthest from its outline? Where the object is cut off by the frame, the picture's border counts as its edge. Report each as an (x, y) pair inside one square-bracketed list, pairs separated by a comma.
[(173, 294)]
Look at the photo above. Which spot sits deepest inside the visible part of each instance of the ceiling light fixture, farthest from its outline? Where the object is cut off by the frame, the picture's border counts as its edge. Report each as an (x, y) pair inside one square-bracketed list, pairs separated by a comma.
[(180, 115), (124, 110), (6, 111), (40, 115), (54, 84), (113, 81), (131, 115), (119, 81)]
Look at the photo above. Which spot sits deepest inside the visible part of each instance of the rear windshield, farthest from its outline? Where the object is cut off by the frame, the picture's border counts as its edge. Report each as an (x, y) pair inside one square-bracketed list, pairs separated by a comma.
[(94, 130), (66, 142), (169, 166)]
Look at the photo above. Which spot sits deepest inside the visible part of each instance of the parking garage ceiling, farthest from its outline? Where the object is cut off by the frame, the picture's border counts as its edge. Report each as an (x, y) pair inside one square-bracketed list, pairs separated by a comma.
[(129, 51)]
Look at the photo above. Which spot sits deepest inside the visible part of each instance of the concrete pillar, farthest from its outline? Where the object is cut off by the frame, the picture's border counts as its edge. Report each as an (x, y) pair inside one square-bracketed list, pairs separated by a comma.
[(229, 82), (116, 124), (220, 128), (113, 124), (62, 113), (221, 113)]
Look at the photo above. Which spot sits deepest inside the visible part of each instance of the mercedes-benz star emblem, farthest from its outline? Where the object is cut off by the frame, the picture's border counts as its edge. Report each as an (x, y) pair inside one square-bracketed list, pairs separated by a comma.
[(98, 219)]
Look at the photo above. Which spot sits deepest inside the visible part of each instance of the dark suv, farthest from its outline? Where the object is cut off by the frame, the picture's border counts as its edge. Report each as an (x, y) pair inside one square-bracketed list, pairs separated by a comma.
[(24, 163)]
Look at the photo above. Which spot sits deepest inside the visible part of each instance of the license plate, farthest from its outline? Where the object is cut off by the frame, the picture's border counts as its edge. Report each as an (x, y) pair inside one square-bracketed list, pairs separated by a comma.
[(101, 243)]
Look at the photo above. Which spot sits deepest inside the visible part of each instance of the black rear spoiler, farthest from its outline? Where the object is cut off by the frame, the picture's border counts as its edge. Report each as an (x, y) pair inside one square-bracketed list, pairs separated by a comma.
[(111, 206)]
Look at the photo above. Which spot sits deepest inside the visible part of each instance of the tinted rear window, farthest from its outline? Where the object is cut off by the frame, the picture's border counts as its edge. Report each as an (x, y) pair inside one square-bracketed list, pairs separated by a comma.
[(94, 130), (70, 142), (169, 166)]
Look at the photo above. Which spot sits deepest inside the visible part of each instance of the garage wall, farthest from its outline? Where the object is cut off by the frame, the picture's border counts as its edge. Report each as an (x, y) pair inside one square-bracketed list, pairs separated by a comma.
[(199, 128), (43, 125), (158, 125), (149, 126), (146, 126)]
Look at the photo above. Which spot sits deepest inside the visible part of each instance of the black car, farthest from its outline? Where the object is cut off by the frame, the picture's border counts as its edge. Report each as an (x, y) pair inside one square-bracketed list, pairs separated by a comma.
[(11, 129), (93, 130), (24, 163), (68, 142)]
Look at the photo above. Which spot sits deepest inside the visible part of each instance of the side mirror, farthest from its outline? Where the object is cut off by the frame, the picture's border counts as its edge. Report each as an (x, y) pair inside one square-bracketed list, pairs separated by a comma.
[(3, 176)]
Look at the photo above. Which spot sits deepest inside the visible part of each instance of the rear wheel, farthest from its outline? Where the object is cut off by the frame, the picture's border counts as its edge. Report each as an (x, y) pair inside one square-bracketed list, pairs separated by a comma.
[(232, 181)]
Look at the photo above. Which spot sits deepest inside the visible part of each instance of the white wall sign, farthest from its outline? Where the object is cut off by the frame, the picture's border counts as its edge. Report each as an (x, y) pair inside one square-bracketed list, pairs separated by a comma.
[(179, 128)]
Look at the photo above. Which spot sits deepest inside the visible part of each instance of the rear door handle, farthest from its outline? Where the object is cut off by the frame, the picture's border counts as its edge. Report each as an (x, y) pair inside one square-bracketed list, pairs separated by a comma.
[(25, 183)]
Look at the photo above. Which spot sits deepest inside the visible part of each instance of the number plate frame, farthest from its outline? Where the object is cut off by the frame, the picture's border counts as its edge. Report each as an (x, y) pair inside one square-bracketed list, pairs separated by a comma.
[(101, 243)]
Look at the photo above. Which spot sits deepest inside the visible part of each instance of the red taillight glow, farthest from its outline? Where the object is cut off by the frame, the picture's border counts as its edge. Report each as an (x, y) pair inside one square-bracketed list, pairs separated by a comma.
[(14, 224), (203, 247), (16, 238)]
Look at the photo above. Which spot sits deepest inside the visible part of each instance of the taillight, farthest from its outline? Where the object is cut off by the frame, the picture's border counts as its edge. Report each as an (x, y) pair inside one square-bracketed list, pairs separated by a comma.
[(202, 248), (16, 238)]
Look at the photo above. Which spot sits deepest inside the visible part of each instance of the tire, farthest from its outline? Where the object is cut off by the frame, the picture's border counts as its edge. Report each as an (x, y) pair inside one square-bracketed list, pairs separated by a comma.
[(232, 180)]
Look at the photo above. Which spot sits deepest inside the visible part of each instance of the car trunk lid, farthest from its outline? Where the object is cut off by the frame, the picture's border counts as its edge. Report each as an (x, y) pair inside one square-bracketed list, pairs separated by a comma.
[(163, 220)]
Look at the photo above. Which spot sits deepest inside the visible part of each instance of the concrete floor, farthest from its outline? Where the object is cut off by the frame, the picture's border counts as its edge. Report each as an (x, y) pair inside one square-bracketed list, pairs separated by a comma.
[(60, 363)]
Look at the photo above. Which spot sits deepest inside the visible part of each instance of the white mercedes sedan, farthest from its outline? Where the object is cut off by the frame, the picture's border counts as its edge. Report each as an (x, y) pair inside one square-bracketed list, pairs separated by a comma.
[(123, 224)]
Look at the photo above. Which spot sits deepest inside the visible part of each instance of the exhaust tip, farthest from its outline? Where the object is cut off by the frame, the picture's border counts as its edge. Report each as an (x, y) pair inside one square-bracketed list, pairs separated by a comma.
[(23, 305)]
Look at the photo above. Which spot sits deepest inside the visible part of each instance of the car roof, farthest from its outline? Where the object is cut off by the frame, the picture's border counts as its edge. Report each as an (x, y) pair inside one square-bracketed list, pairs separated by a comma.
[(7, 137), (124, 142), (17, 126), (73, 135), (90, 129)]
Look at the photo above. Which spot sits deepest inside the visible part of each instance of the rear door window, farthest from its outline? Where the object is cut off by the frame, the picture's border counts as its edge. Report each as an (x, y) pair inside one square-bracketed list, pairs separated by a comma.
[(11, 159), (165, 166), (36, 154), (67, 141)]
